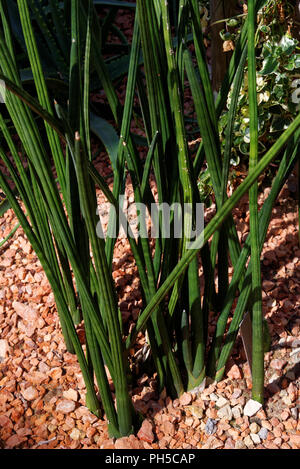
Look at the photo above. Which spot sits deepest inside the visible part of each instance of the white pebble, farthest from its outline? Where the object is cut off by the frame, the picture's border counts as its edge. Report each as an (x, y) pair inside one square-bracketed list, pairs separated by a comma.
[(221, 402), (255, 438), (252, 407)]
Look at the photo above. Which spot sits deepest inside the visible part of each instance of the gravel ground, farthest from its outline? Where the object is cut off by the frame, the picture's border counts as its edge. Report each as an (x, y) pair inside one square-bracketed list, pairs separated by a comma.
[(42, 391)]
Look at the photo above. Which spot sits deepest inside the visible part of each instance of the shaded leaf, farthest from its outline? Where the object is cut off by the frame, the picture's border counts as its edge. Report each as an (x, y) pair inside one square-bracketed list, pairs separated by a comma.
[(108, 136)]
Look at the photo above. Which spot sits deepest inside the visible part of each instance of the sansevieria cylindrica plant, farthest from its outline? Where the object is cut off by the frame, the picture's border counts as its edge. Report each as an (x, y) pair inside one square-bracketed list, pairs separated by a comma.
[(53, 188)]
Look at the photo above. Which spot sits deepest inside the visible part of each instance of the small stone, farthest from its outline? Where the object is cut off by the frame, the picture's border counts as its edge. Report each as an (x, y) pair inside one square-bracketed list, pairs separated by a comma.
[(210, 427), (261, 415), (229, 444), (296, 357), (52, 427), (236, 393), (263, 433), (5, 422), (292, 392), (221, 402), (290, 425), (216, 443), (285, 446), (251, 408), (213, 443), (225, 412), (168, 428), (65, 406), (270, 445), (274, 421), (266, 424), (213, 397), (76, 434), (295, 352), (4, 349), (287, 400), (295, 440), (234, 372), (248, 441), (13, 441), (239, 444), (277, 364), (196, 411), (185, 399), (146, 432), (294, 412), (26, 312), (212, 413), (123, 443), (255, 438), (237, 411), (30, 393), (189, 421), (71, 395), (273, 378), (135, 442), (69, 422), (295, 343), (284, 415), (277, 432), (254, 428)]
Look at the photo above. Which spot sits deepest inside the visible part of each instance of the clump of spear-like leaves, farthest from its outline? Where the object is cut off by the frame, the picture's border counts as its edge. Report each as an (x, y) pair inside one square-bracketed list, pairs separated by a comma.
[(52, 189)]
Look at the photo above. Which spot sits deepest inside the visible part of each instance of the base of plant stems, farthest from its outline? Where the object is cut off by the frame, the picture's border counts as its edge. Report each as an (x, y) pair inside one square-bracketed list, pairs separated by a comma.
[(113, 432), (137, 420), (93, 404), (220, 374), (195, 382)]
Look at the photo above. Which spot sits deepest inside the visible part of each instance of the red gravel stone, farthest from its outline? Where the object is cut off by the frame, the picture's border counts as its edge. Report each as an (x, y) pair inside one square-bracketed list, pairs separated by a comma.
[(278, 364), (295, 440), (185, 399), (168, 428), (146, 432), (234, 372), (13, 441)]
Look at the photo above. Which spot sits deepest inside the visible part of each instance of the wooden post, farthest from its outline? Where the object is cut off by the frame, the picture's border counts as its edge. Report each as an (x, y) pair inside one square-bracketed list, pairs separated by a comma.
[(220, 9)]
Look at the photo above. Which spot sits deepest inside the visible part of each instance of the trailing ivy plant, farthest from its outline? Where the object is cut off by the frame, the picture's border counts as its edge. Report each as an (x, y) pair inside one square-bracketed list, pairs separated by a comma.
[(278, 73)]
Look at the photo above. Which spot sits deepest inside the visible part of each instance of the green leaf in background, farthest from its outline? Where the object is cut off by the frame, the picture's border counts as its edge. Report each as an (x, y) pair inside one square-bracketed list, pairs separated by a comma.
[(108, 136), (119, 67)]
